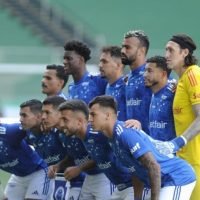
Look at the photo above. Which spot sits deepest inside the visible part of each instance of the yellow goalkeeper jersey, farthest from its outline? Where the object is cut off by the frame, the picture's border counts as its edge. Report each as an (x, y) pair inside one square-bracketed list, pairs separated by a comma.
[(187, 94)]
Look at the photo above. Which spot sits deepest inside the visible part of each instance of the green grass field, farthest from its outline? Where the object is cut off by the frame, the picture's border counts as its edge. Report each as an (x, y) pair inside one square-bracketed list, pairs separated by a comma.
[(4, 177)]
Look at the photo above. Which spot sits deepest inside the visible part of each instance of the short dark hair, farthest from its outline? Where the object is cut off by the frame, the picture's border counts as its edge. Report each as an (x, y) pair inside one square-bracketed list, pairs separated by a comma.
[(160, 62), (104, 101), (60, 72), (186, 42), (115, 51), (142, 37), (55, 101), (75, 105), (79, 47), (35, 105)]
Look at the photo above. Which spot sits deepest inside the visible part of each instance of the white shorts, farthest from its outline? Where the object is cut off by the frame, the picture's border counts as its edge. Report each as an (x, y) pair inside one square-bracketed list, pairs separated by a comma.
[(126, 194), (175, 192), (96, 187), (74, 193), (34, 186)]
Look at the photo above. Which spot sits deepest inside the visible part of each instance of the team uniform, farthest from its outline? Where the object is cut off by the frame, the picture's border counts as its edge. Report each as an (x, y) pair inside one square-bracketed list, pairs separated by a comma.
[(29, 171), (187, 95), (49, 147), (96, 185), (138, 98), (161, 121), (117, 90), (177, 176), (99, 149), (87, 88)]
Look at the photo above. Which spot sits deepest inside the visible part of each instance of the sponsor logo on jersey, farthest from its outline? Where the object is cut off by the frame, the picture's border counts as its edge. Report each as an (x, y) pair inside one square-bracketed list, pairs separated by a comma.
[(104, 165), (81, 161), (135, 148), (133, 102), (10, 164), (51, 159), (156, 124), (177, 110), (196, 96)]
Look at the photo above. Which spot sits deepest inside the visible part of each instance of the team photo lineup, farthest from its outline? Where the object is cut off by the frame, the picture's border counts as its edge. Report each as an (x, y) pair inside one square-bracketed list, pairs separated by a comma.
[(112, 135)]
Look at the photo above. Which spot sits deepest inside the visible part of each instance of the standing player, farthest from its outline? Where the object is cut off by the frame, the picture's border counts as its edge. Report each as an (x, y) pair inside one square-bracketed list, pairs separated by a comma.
[(186, 106), (85, 85), (161, 121), (134, 50), (111, 67), (29, 179), (54, 80), (166, 175)]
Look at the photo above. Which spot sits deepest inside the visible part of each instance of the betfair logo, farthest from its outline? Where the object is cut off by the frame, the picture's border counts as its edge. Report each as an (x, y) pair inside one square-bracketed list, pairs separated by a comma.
[(135, 148)]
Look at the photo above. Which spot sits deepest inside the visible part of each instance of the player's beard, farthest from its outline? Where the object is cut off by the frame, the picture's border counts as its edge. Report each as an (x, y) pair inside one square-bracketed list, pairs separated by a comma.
[(127, 60), (153, 83)]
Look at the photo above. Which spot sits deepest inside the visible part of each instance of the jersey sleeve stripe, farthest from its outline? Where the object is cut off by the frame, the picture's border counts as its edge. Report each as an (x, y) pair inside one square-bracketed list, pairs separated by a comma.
[(192, 78)]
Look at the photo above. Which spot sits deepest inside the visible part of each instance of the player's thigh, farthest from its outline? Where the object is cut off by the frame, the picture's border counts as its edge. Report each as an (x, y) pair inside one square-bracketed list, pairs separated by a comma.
[(74, 193), (16, 188), (104, 186), (196, 192), (40, 186), (177, 192), (126, 194), (86, 193)]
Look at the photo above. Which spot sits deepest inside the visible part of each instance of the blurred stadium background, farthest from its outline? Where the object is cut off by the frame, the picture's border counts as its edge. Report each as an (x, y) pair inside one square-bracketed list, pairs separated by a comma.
[(33, 32)]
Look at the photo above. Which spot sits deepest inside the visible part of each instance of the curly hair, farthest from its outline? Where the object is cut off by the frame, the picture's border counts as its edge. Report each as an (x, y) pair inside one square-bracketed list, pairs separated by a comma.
[(79, 47)]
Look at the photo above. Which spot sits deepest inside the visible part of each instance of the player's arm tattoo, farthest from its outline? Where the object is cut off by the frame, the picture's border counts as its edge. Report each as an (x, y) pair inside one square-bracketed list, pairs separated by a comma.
[(149, 162)]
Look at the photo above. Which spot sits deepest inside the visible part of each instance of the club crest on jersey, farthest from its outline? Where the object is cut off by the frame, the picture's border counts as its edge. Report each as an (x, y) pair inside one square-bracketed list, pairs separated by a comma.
[(2, 130)]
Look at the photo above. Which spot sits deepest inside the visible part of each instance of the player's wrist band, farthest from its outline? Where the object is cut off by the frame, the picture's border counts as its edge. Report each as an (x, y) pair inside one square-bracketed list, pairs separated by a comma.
[(179, 142), (185, 140)]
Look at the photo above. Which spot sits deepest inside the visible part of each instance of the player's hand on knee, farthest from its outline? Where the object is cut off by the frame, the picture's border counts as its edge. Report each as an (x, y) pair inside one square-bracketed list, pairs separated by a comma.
[(132, 123)]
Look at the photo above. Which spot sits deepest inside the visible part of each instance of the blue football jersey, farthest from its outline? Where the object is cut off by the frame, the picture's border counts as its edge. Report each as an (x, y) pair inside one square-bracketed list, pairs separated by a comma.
[(118, 91), (138, 98), (161, 120), (17, 157), (87, 88), (76, 150), (130, 144), (99, 149), (47, 145)]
